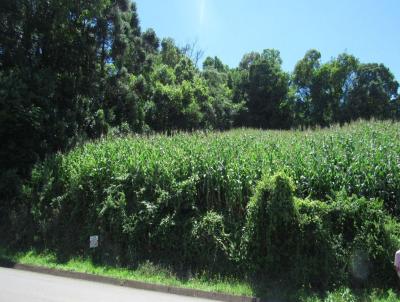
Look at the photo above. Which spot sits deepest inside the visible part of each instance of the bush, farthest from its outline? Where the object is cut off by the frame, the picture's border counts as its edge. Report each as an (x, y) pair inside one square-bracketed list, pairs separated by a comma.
[(315, 257), (345, 241), (10, 191), (269, 238), (210, 243)]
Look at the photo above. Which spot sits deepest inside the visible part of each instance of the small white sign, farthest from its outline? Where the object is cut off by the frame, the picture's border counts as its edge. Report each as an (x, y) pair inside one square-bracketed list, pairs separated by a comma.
[(94, 241)]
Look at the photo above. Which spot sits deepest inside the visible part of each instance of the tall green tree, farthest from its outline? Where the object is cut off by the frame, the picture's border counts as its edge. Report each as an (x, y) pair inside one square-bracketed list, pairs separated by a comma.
[(224, 110), (64, 58), (266, 90), (303, 78), (373, 94), (322, 90)]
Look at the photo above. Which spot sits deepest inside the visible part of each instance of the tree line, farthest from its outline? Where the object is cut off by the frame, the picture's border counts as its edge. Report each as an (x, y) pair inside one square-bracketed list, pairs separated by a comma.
[(77, 70)]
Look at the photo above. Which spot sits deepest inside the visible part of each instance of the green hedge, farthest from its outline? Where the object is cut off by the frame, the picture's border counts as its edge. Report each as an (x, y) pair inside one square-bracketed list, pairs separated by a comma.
[(346, 240), (271, 231), (301, 242)]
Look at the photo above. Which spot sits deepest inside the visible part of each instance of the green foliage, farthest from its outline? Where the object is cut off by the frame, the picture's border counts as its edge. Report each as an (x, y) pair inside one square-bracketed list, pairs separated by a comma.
[(342, 295), (345, 241), (265, 88), (223, 110), (211, 244), (316, 244), (10, 192), (345, 294), (374, 89), (341, 90), (217, 201), (271, 228)]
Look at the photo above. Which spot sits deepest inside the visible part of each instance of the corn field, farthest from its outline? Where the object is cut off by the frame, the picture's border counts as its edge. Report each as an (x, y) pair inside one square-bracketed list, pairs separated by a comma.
[(184, 198), (220, 170)]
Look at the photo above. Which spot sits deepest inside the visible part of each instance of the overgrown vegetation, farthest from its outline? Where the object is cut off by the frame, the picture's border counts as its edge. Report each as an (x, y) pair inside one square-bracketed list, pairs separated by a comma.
[(218, 202)]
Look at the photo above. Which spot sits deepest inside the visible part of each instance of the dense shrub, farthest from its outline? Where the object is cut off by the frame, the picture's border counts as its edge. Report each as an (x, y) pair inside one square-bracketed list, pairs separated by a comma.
[(210, 244), (318, 244), (10, 190), (269, 239), (345, 241)]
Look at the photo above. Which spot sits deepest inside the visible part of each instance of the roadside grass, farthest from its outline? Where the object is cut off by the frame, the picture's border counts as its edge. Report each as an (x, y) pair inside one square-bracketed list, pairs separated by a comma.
[(346, 295), (150, 273), (145, 272)]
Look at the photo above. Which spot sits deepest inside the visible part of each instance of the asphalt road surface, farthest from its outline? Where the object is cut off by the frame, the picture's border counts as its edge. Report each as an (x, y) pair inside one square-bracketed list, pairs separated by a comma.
[(22, 286)]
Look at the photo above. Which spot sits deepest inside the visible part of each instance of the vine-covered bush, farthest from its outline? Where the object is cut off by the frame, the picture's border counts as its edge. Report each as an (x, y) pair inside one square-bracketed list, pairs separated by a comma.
[(211, 244), (269, 239), (347, 240), (319, 244)]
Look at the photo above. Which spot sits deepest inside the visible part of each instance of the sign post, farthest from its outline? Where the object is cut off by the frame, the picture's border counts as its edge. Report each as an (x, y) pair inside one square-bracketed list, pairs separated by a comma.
[(93, 241), (93, 245)]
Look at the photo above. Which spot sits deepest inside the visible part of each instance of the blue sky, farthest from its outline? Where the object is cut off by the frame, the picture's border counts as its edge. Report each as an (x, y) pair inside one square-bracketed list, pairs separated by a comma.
[(368, 29)]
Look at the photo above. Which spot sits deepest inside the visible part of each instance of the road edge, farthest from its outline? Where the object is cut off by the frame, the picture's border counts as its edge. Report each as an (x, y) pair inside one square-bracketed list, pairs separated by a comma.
[(188, 292)]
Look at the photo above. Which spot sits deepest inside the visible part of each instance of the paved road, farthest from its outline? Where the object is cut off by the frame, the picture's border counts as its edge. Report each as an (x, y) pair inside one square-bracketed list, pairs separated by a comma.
[(21, 286)]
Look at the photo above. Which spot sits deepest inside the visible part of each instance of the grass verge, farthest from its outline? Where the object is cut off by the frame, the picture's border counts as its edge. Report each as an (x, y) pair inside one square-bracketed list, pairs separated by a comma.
[(150, 273), (145, 272)]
